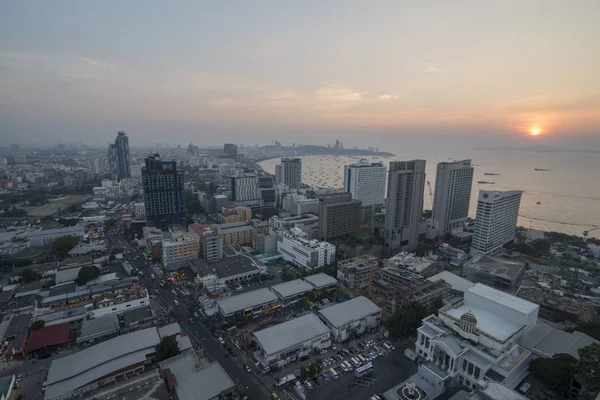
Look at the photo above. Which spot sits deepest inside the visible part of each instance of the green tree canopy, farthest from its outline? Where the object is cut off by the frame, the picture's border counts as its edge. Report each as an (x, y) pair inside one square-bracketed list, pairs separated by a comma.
[(39, 324), (29, 275), (86, 274), (541, 245), (63, 245), (167, 348), (556, 373), (588, 368), (407, 319)]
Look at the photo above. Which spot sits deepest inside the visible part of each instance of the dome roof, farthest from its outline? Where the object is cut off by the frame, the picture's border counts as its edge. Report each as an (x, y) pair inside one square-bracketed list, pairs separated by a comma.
[(468, 317)]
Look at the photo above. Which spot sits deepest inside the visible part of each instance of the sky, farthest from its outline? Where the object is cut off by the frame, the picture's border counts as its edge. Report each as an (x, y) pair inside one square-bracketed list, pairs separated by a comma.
[(364, 72)]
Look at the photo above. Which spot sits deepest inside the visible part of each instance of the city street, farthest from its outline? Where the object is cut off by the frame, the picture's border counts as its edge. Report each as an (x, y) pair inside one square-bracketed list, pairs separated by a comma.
[(201, 336)]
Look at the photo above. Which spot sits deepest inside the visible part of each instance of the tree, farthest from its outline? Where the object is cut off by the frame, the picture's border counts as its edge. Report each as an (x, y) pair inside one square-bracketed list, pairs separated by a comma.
[(167, 348), (39, 324), (588, 368), (86, 274), (556, 373), (29, 275), (592, 329), (63, 245), (541, 245), (405, 321)]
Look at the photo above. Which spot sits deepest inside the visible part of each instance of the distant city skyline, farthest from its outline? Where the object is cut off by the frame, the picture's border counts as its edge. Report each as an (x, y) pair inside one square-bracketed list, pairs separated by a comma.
[(502, 72)]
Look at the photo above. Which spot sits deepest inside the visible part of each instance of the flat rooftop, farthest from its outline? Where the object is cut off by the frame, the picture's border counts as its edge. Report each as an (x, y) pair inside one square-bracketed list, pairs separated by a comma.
[(240, 302), (497, 266), (488, 322), (229, 266), (194, 380), (349, 311), (506, 299), (294, 332), (320, 280), (457, 283), (292, 288), (97, 327)]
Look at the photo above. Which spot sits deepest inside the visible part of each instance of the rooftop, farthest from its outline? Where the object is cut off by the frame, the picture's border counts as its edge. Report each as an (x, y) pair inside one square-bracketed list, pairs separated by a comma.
[(490, 323), (137, 314), (193, 380), (410, 262), (291, 333), (320, 280), (229, 266), (240, 302), (292, 288), (456, 282), (169, 330), (503, 298), (48, 336), (548, 341), (79, 369), (351, 310), (97, 327), (497, 266)]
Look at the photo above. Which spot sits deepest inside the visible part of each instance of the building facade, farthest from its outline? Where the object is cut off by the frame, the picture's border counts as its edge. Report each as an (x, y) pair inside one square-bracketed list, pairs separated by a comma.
[(119, 160), (244, 188), (404, 205), (366, 182), (496, 220), (354, 273), (339, 215), (235, 233), (498, 273), (163, 192), (308, 254), (179, 249), (351, 318), (290, 173), (453, 182), (308, 223)]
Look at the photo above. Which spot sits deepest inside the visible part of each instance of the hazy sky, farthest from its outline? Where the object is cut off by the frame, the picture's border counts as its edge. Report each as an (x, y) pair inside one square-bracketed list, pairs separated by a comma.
[(303, 71)]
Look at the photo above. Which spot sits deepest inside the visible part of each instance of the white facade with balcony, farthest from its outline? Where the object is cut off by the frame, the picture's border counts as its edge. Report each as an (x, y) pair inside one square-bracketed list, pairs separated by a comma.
[(304, 253)]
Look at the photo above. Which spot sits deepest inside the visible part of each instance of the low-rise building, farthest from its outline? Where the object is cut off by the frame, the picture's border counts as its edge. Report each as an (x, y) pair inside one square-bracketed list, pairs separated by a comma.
[(289, 341), (398, 287), (321, 281), (264, 241), (292, 291), (76, 262), (229, 271), (308, 254), (355, 273), (249, 304), (191, 378), (421, 265), (43, 238), (180, 248), (307, 223), (495, 272), (98, 328), (235, 233), (351, 318)]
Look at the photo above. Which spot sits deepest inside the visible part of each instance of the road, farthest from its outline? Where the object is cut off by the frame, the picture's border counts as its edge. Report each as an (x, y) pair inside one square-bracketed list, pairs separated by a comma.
[(201, 335)]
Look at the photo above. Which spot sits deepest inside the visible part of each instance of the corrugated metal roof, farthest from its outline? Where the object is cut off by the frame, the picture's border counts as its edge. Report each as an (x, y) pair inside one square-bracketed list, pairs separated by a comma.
[(291, 333), (240, 302), (349, 311), (320, 280)]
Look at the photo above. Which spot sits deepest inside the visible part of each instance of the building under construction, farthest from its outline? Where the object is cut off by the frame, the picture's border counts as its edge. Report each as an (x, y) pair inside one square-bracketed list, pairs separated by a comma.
[(495, 272)]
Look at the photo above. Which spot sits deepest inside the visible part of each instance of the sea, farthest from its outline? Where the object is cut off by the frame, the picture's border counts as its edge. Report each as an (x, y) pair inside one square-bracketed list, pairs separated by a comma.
[(564, 198)]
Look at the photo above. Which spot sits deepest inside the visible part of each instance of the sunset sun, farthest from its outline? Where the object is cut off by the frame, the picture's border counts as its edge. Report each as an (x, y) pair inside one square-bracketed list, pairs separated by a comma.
[(535, 131)]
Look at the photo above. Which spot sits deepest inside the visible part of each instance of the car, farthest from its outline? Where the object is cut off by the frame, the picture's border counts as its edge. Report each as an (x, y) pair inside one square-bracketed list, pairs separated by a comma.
[(19, 378), (196, 315), (334, 347), (192, 322), (220, 339), (309, 385), (174, 292), (248, 369), (175, 302), (323, 352)]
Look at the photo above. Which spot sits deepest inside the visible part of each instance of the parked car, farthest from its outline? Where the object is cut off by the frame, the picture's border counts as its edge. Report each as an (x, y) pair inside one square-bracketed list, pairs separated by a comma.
[(323, 351)]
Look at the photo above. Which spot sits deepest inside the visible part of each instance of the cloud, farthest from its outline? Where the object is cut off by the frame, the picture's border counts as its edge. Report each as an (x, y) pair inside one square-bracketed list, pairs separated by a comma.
[(388, 97), (428, 67), (97, 63), (332, 95)]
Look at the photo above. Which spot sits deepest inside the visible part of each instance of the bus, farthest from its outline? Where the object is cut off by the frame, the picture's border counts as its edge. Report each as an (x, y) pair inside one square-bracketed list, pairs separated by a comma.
[(334, 374), (363, 370)]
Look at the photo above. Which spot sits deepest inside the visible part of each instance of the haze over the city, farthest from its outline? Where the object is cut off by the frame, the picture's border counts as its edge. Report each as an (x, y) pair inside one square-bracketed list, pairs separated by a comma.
[(501, 73)]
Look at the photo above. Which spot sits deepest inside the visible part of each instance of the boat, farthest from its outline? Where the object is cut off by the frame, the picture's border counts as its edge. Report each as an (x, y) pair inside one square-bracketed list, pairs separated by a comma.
[(491, 174), (541, 169), (486, 182), (539, 202)]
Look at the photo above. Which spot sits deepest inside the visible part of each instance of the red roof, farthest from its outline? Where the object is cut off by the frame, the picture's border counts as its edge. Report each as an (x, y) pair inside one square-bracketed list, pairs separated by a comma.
[(199, 229), (48, 336)]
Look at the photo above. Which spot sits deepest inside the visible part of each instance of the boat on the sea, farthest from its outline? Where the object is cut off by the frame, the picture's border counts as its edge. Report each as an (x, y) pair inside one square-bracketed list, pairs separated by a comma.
[(539, 202), (486, 182), (541, 169), (491, 174)]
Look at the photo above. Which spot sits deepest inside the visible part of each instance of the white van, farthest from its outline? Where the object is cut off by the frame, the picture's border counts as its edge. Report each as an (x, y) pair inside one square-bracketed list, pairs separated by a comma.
[(333, 373), (176, 303), (239, 288)]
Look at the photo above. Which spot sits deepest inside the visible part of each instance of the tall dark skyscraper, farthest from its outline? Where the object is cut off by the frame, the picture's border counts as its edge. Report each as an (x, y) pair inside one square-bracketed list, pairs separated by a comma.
[(163, 192), (230, 150), (119, 161), (289, 172)]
